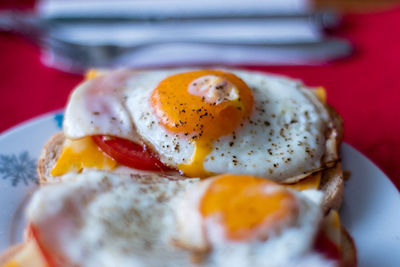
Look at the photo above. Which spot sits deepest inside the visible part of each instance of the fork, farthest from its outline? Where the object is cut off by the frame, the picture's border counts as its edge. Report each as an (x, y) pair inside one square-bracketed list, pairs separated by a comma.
[(76, 57)]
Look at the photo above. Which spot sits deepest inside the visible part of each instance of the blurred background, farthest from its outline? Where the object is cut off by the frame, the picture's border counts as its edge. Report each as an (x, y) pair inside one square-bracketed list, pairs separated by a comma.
[(350, 47), (76, 35)]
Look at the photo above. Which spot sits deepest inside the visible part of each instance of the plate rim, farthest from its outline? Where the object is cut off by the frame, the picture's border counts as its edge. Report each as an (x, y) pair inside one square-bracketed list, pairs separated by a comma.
[(28, 122)]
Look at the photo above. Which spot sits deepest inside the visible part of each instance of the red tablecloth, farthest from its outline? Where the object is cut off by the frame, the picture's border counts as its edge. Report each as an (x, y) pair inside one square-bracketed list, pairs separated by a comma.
[(364, 89)]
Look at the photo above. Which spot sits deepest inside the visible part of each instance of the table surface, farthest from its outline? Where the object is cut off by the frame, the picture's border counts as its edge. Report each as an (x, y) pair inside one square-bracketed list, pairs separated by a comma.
[(364, 89)]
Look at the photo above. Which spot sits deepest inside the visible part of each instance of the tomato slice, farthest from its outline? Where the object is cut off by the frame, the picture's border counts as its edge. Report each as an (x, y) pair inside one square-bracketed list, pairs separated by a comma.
[(52, 260), (129, 154), (325, 246)]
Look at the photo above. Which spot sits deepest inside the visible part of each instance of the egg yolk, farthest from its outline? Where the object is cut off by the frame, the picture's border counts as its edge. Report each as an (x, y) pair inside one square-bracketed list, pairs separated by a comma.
[(202, 106), (249, 207)]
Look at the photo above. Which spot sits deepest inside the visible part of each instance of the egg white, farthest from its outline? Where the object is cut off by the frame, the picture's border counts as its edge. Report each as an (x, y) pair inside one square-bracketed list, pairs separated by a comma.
[(284, 139), (101, 219)]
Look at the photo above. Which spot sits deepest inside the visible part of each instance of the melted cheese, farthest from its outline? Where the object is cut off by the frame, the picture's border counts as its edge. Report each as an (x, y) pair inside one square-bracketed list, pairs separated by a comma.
[(79, 154), (320, 93), (90, 74), (11, 263), (332, 227), (29, 256), (311, 182)]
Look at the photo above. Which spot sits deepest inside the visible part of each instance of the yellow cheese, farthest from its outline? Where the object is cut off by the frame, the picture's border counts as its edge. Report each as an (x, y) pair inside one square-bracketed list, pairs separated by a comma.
[(332, 227), (93, 73), (79, 154), (311, 182), (320, 93), (29, 256), (90, 74), (11, 263)]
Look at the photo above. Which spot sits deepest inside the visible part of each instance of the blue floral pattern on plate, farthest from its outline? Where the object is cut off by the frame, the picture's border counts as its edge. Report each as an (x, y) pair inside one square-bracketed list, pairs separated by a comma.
[(59, 117), (18, 168)]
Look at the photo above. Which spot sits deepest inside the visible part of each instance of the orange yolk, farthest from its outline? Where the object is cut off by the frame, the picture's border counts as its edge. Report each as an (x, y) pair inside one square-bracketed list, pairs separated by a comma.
[(201, 105), (249, 207)]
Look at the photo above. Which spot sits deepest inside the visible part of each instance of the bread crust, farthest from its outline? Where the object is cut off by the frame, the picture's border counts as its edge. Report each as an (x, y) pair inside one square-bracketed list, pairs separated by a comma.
[(348, 248), (332, 184), (332, 181), (48, 158), (337, 126)]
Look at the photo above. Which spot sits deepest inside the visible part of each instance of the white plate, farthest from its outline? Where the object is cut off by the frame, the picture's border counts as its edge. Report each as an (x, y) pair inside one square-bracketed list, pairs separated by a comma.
[(371, 211)]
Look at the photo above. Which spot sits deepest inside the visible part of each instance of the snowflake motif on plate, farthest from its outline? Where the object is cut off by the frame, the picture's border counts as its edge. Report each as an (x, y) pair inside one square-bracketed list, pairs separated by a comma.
[(18, 168)]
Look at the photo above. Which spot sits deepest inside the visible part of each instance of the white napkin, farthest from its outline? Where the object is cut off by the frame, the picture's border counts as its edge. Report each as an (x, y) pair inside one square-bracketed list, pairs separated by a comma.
[(154, 39)]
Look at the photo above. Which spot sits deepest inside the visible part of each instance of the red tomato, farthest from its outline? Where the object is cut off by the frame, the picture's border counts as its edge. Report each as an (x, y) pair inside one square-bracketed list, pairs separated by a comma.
[(52, 259), (28, 235), (325, 246), (129, 154)]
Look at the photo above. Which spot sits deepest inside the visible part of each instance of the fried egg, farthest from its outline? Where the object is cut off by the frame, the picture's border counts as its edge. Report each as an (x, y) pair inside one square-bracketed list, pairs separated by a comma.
[(207, 122), (103, 219), (248, 214)]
